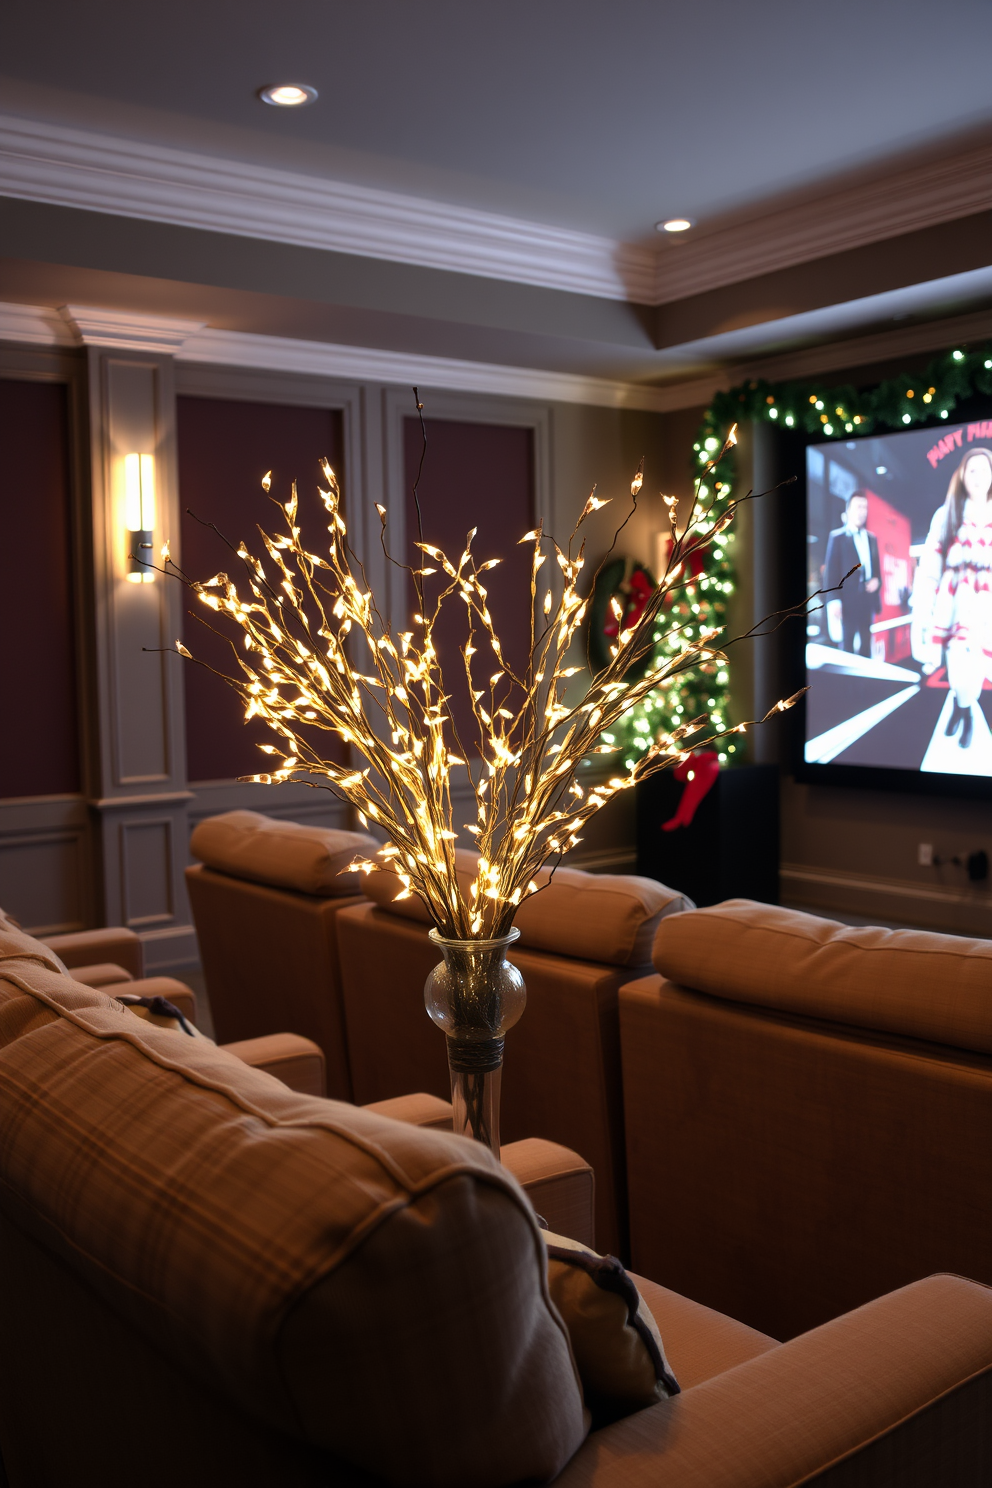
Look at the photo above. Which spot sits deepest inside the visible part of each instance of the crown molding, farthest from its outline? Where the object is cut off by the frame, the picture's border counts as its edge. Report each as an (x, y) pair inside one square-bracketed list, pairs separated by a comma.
[(367, 364), (132, 178), (120, 330), (903, 200), (836, 356), (191, 341), (34, 325), (864, 351), (99, 172)]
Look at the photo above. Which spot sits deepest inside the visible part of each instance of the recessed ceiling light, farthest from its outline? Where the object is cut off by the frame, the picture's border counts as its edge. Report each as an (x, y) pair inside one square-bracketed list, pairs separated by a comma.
[(288, 95), (674, 225)]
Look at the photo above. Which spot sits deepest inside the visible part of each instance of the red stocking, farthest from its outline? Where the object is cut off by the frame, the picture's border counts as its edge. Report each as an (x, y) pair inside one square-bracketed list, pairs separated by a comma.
[(699, 772)]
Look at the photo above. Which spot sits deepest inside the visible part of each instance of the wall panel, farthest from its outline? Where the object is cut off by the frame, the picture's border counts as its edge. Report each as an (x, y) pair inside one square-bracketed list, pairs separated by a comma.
[(46, 881), (474, 475), (39, 741), (225, 448)]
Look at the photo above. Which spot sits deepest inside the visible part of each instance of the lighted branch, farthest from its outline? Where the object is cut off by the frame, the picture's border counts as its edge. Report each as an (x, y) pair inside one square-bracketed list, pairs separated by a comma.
[(297, 612)]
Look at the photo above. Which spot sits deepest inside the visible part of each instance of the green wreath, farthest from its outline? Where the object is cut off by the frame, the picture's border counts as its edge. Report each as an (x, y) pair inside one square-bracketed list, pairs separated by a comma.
[(631, 584)]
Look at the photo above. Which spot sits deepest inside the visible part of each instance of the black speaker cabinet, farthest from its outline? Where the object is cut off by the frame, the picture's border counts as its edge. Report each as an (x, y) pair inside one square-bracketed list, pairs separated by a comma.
[(729, 850)]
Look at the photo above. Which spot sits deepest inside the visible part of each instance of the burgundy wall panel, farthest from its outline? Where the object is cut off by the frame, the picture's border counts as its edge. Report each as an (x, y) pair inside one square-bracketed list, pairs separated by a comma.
[(474, 475), (39, 740), (225, 448)]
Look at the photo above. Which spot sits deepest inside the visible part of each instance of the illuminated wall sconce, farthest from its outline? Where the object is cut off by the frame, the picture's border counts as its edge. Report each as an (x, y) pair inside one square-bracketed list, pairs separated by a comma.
[(139, 516)]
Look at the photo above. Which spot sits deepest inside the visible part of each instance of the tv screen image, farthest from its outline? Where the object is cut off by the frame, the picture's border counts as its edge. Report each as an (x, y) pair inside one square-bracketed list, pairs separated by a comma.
[(898, 661)]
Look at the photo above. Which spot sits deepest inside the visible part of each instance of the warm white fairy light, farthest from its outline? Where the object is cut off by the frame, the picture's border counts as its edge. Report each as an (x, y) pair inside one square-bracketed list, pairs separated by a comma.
[(296, 673)]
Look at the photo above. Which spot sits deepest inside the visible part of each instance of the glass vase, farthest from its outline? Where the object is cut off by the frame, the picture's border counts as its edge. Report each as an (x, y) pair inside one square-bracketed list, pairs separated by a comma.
[(474, 995)]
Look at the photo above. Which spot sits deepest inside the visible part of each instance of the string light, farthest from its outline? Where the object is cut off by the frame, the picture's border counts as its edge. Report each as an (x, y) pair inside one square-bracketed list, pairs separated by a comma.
[(299, 613)]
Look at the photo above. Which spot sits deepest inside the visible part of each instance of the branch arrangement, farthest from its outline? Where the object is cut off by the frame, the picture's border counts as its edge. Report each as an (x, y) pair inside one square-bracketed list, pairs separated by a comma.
[(300, 618)]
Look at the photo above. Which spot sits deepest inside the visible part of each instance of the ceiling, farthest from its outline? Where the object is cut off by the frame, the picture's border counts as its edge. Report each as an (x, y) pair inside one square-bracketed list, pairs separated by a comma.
[(837, 163), (592, 116)]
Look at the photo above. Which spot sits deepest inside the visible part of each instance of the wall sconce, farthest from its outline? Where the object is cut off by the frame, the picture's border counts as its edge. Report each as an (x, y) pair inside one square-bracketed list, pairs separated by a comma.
[(139, 516)]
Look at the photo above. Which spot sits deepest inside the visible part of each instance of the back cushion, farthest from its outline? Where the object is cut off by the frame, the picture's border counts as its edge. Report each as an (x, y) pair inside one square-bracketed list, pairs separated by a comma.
[(282, 853), (19, 1012), (373, 1289), (586, 916), (910, 982)]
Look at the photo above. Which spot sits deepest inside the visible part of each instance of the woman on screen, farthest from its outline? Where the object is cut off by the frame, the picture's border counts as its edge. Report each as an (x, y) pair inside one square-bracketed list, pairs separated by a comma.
[(952, 590)]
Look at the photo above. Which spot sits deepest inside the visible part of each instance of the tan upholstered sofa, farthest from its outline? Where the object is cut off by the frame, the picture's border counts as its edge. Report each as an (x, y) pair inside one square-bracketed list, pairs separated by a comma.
[(581, 938), (207, 1278), (808, 1111), (265, 896)]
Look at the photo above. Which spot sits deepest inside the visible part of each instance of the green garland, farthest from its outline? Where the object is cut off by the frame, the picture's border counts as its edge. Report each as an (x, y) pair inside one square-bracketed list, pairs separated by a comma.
[(832, 413)]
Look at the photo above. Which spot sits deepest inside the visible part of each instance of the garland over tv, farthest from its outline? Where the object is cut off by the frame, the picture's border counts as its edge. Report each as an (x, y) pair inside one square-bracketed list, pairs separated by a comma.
[(899, 662)]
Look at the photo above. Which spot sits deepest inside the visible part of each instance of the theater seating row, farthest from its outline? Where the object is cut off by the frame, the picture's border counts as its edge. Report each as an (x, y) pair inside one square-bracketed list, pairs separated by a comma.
[(786, 1117), (209, 1278)]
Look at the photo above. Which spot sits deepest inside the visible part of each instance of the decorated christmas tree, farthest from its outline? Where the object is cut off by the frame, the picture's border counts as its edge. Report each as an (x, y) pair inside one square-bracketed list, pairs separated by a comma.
[(701, 598)]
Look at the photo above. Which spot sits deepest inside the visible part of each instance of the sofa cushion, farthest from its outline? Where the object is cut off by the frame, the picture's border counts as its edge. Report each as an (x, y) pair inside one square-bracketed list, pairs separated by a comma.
[(914, 983), (603, 917), (284, 853), (615, 1340), (328, 1269), (699, 1342)]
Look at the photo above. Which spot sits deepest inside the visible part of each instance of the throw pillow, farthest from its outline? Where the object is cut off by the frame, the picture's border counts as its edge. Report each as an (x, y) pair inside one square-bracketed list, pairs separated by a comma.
[(160, 1012), (615, 1341)]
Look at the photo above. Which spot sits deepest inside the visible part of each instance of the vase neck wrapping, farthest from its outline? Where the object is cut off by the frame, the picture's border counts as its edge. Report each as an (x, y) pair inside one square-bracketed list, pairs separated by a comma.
[(474, 1056)]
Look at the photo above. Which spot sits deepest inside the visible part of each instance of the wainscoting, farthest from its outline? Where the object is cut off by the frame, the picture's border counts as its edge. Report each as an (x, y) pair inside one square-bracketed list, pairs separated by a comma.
[(121, 726)]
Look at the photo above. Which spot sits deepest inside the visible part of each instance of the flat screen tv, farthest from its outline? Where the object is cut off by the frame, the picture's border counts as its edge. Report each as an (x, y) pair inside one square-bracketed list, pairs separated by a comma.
[(898, 661)]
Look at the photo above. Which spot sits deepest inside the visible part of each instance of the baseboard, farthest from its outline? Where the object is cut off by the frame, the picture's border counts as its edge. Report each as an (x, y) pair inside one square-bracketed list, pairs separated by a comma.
[(964, 911), (166, 950)]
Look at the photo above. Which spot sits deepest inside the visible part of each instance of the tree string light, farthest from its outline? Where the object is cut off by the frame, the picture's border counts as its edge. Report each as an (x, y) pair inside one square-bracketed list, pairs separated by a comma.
[(809, 407)]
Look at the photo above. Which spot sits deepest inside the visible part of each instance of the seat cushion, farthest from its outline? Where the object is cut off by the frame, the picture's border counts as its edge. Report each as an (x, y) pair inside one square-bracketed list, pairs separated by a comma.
[(328, 1269), (915, 983), (284, 853), (605, 917), (699, 1342)]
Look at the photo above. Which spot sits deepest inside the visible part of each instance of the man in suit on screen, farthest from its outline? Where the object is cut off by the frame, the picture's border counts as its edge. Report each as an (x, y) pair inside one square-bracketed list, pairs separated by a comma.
[(850, 613)]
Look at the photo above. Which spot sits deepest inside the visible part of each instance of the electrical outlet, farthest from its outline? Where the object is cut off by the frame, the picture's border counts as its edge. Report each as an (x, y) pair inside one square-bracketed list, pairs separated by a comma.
[(924, 854)]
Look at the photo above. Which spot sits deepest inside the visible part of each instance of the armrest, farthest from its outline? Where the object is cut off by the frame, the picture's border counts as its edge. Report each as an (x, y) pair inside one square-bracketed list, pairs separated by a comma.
[(101, 974), (297, 1062), (896, 1394), (559, 1183), (87, 947), (415, 1110)]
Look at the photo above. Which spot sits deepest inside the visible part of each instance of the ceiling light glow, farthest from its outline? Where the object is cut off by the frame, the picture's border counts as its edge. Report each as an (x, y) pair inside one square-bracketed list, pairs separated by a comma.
[(288, 95), (674, 225)]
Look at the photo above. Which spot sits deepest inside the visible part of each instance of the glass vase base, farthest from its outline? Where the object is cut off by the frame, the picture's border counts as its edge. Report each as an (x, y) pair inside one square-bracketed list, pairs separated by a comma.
[(475, 1105)]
